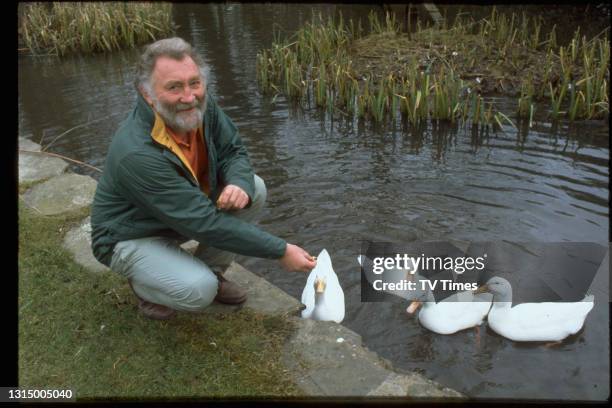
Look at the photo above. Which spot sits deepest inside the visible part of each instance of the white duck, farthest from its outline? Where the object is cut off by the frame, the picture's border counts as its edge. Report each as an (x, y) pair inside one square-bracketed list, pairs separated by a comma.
[(457, 312), (323, 295), (546, 321)]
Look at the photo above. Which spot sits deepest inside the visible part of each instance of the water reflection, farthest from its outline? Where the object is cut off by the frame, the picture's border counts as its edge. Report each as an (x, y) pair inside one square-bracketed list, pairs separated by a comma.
[(56, 96)]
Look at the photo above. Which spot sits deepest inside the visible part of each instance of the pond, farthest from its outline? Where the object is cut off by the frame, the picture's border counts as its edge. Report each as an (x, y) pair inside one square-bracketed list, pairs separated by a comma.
[(333, 183)]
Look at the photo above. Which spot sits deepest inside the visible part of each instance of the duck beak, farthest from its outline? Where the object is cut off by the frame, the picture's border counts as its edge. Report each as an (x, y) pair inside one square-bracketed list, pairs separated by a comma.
[(319, 286), (413, 306), (482, 289)]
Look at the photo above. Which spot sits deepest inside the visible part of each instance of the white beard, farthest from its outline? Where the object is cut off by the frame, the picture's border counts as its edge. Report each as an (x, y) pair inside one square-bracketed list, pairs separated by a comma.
[(181, 121)]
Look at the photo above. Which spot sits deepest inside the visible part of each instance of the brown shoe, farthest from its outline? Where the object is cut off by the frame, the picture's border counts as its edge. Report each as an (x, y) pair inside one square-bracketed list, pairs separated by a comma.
[(229, 292), (153, 310)]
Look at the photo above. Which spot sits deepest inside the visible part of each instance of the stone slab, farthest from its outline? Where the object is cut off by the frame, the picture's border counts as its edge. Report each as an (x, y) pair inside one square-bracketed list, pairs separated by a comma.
[(27, 144), (414, 386), (328, 359), (190, 246), (263, 297), (78, 242), (461, 244), (61, 194), (36, 166)]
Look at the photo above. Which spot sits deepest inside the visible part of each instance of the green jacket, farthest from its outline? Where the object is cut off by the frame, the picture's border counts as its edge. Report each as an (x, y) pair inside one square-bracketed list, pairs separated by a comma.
[(148, 188)]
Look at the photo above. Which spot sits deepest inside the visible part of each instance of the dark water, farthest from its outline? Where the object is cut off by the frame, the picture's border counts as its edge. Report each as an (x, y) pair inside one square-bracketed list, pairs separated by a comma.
[(332, 184)]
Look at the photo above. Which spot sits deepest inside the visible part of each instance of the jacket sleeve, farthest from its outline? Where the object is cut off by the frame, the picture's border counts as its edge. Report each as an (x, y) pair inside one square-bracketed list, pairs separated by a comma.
[(155, 185), (233, 160)]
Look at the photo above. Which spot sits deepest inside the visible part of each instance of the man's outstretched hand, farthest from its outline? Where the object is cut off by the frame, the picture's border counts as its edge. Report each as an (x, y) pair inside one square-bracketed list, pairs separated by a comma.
[(297, 260), (232, 198)]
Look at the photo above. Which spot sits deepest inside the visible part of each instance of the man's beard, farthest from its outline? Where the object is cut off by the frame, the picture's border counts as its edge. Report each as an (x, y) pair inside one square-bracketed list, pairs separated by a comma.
[(181, 121)]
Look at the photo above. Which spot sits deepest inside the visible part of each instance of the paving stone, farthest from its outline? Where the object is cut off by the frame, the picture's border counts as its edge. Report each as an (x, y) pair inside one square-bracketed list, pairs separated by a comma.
[(327, 359), (190, 246), (35, 166), (263, 297), (78, 242), (27, 144), (61, 194), (414, 386)]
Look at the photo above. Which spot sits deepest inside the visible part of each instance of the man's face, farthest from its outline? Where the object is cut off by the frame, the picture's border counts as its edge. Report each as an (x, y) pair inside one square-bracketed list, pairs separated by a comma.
[(178, 93)]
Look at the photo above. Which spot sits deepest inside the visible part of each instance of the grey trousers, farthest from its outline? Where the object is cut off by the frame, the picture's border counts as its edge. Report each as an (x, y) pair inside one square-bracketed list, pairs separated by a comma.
[(162, 272)]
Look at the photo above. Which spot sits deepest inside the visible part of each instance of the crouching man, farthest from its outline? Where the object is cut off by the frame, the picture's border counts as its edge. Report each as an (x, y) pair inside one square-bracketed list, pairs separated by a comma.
[(177, 170)]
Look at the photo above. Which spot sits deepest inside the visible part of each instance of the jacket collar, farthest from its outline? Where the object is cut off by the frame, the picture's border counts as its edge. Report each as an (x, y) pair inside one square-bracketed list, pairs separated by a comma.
[(143, 111)]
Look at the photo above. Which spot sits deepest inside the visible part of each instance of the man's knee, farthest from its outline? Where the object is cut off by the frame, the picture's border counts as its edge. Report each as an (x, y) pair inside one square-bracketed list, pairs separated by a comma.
[(199, 294), (261, 193)]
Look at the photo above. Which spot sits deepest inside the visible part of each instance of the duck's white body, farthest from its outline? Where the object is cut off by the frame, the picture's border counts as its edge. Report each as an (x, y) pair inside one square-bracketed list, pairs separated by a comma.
[(546, 321), (326, 306), (455, 313)]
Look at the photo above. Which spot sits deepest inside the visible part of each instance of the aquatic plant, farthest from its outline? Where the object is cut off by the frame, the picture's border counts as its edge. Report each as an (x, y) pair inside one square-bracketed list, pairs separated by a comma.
[(556, 97), (526, 105), (60, 28), (377, 75)]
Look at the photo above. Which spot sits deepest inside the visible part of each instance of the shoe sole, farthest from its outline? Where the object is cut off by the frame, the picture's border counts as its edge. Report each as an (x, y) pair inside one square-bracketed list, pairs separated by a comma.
[(232, 301), (158, 317)]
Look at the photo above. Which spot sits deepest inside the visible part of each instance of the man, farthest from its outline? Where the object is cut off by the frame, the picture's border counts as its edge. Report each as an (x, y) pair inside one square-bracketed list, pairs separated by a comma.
[(177, 170)]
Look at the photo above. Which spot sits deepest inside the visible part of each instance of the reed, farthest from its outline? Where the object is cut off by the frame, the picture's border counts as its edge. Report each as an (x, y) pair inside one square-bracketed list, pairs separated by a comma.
[(391, 92), (375, 26), (378, 103), (62, 28), (551, 42), (525, 103), (263, 66), (363, 99), (535, 38), (317, 62), (499, 116), (556, 98), (352, 95), (321, 87)]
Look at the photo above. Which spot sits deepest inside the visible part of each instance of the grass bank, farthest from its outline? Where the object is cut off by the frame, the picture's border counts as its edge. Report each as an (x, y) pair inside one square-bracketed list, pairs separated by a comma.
[(446, 72), (82, 331), (61, 28)]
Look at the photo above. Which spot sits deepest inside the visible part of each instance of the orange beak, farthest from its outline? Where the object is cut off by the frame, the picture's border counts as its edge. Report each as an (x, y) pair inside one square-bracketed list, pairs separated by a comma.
[(319, 286), (413, 306), (482, 289)]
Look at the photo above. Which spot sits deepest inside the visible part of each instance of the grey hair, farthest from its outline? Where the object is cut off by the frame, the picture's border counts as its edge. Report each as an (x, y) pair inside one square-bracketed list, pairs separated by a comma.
[(175, 48)]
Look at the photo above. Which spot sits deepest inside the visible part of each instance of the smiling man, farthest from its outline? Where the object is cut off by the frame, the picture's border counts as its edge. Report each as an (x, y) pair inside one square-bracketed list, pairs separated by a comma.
[(177, 170)]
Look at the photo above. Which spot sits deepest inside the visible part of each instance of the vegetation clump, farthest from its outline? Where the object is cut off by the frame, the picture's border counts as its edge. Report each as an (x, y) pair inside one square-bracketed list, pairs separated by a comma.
[(60, 28), (441, 73)]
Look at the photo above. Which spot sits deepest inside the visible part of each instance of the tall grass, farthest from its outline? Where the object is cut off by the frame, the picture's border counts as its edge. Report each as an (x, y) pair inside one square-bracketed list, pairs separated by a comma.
[(62, 28), (575, 77), (572, 80)]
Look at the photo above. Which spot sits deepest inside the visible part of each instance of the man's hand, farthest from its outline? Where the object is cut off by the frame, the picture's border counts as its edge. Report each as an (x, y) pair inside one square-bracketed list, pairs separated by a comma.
[(297, 260), (232, 197)]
